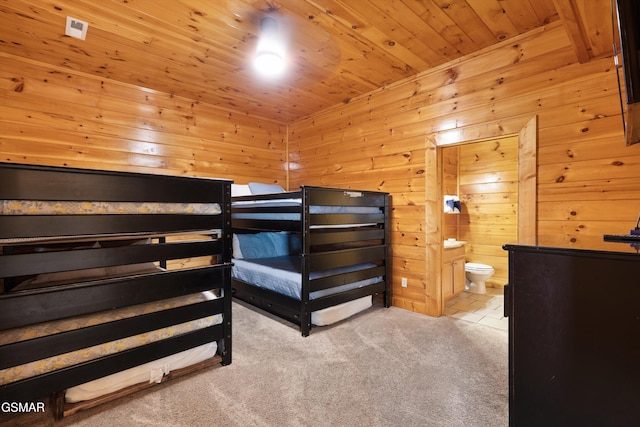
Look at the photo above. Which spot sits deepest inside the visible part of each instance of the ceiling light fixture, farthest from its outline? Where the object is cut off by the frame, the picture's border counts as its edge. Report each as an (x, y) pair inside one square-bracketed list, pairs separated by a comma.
[(270, 53)]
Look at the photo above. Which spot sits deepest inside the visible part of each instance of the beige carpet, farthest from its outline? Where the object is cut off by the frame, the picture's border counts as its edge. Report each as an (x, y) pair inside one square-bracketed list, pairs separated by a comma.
[(384, 367)]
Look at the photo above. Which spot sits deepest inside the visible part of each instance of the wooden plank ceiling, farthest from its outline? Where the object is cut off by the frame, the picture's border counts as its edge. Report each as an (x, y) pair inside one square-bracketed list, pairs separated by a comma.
[(337, 49)]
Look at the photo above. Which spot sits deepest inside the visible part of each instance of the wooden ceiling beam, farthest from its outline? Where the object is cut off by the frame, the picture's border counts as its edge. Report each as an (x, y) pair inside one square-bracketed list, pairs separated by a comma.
[(570, 16)]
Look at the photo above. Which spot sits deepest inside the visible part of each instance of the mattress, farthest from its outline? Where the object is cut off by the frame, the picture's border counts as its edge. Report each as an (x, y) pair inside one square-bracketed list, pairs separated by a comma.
[(53, 363), (295, 216), (147, 373), (281, 275), (63, 207), (330, 315)]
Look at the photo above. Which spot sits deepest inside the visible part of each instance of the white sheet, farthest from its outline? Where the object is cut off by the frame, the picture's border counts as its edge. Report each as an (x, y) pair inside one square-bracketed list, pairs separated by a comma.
[(313, 209), (289, 283), (148, 372), (294, 216), (331, 315)]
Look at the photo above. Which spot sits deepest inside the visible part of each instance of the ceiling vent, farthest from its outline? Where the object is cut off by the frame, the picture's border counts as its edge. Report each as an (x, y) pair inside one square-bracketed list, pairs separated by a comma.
[(76, 28)]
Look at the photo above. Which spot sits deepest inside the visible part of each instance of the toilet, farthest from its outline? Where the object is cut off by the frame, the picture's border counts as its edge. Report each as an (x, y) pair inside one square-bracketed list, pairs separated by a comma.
[(477, 274)]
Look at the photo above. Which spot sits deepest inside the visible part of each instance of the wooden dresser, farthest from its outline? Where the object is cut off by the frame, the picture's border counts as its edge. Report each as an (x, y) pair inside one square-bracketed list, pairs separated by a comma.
[(574, 337)]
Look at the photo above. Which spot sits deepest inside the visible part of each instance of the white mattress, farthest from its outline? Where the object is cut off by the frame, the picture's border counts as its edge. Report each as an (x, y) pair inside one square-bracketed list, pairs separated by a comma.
[(64, 207), (148, 372), (314, 209), (295, 216), (289, 283), (330, 315)]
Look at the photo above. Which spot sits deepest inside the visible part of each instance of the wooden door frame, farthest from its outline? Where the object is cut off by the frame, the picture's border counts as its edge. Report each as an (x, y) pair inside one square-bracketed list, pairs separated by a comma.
[(527, 130)]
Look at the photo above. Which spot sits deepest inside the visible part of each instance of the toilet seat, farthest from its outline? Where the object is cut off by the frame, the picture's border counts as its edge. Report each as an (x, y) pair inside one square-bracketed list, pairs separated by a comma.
[(474, 266)]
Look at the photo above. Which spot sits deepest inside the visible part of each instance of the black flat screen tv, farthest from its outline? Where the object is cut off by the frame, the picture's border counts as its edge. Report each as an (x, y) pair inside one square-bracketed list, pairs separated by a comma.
[(628, 12), (629, 27)]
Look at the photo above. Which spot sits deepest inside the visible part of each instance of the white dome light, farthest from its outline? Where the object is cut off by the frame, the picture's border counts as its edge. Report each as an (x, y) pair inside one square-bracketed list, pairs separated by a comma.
[(270, 52), (269, 64)]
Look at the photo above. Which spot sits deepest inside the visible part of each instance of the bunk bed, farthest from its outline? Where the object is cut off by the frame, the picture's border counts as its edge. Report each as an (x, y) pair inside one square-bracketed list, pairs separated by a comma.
[(313, 256), (111, 282)]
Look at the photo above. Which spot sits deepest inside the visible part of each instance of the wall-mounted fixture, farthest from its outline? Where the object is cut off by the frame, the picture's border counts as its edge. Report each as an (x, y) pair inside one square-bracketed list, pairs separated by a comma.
[(451, 204), (270, 58), (76, 28), (628, 13)]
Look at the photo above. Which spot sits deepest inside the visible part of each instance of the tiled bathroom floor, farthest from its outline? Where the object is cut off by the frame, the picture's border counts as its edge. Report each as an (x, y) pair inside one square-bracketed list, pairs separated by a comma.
[(487, 309)]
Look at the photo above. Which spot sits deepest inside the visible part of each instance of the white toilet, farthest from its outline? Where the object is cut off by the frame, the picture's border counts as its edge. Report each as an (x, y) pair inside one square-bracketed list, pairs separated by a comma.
[(477, 274)]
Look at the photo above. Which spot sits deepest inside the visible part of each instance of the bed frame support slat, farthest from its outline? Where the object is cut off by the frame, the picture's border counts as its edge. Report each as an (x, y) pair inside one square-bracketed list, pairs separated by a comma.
[(30, 182), (329, 282), (77, 374), (46, 304), (50, 345), (56, 261), (48, 226)]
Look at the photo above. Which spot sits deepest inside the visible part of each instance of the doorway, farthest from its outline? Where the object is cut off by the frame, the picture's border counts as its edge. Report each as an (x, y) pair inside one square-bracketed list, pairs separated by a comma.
[(484, 175), (527, 206)]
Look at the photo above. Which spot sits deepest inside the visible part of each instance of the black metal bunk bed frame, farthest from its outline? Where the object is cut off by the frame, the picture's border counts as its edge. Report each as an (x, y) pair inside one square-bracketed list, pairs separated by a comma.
[(29, 307), (322, 248)]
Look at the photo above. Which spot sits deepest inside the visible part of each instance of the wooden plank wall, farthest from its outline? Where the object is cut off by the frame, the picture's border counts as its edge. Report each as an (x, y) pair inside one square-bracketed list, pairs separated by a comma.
[(587, 176), (488, 181), (358, 146), (51, 116)]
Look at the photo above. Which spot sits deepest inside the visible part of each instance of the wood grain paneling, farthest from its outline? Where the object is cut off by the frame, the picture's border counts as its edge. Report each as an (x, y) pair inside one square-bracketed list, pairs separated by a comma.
[(487, 95), (61, 104), (488, 176), (51, 116), (486, 180), (335, 49)]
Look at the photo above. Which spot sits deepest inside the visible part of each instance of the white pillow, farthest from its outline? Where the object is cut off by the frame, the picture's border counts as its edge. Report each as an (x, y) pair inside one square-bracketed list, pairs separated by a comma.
[(261, 188), (240, 190)]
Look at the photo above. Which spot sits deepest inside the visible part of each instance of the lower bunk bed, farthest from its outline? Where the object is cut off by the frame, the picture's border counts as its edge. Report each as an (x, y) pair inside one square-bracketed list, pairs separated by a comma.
[(111, 282), (313, 257)]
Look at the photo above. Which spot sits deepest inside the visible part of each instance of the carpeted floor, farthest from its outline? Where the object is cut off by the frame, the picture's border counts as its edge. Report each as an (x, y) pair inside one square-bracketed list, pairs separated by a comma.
[(384, 367)]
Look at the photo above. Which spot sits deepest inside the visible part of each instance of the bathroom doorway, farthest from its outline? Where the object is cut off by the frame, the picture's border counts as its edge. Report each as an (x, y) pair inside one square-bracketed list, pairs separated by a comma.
[(526, 225), (483, 175)]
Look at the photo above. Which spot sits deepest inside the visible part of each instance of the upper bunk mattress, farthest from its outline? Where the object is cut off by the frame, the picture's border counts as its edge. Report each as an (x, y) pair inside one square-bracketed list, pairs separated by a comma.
[(296, 216), (313, 209), (64, 207)]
